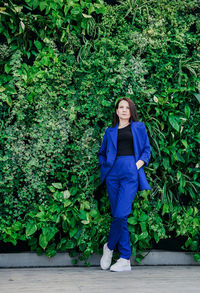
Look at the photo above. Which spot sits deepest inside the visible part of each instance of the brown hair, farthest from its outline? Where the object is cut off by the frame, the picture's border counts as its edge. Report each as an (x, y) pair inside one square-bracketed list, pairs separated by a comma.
[(133, 110)]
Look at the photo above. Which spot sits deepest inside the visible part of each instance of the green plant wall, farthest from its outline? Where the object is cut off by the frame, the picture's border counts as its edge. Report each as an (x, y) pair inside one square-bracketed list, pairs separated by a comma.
[(62, 66)]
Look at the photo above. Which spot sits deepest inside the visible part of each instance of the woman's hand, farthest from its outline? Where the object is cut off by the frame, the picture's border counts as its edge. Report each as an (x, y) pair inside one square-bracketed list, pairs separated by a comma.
[(139, 164)]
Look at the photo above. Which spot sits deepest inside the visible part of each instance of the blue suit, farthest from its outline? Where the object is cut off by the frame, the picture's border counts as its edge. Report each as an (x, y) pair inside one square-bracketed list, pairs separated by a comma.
[(123, 180), (142, 149)]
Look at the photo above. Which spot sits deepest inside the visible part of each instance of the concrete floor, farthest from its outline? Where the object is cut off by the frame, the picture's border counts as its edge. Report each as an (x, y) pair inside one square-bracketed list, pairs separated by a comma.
[(142, 279)]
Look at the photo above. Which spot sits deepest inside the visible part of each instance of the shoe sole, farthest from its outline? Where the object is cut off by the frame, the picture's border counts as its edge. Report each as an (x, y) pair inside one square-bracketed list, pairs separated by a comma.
[(104, 268), (123, 270)]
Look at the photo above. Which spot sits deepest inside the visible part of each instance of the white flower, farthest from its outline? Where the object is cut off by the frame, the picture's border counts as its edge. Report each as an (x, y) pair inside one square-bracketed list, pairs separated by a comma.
[(22, 25), (155, 99), (181, 129)]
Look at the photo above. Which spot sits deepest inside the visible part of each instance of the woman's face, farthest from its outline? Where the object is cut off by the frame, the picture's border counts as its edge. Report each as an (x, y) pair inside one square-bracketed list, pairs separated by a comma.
[(123, 110)]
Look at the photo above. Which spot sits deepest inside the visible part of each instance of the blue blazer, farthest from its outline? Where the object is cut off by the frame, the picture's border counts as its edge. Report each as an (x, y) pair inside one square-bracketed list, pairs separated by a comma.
[(142, 150)]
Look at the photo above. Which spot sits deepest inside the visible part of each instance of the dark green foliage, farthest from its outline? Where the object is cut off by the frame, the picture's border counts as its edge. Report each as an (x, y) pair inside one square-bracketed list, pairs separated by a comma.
[(61, 70)]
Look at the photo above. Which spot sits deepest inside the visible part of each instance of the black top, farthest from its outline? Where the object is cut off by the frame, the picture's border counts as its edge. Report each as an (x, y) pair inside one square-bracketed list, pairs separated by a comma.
[(125, 141)]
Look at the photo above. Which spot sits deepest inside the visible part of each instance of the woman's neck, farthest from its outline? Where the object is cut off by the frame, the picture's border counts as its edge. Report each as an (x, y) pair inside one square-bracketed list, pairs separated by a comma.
[(123, 124)]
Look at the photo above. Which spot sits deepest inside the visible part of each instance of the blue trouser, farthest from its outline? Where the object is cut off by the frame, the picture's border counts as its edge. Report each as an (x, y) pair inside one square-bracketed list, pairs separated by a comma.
[(122, 186)]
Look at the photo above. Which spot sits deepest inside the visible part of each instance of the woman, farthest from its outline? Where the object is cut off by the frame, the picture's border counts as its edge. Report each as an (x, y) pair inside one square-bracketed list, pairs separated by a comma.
[(124, 151)]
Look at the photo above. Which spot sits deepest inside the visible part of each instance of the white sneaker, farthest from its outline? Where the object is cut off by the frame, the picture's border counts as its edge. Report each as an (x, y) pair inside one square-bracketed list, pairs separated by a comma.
[(122, 264), (106, 259)]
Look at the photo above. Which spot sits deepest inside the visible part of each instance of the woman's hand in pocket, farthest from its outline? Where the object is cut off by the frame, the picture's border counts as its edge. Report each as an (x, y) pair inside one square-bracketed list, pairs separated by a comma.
[(139, 164)]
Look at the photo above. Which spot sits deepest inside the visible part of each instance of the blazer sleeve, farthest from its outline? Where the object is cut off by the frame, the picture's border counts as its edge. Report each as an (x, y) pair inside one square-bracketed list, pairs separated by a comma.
[(102, 151), (146, 152)]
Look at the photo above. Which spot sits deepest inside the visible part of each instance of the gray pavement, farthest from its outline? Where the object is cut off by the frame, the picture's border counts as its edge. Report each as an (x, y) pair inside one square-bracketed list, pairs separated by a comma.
[(142, 279)]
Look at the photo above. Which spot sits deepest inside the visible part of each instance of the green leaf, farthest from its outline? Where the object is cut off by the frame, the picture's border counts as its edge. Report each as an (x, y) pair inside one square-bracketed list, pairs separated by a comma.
[(179, 175), (143, 235), (94, 213), (197, 257), (83, 215), (166, 163), (187, 111), (66, 9), (65, 226), (143, 217), (180, 158), (184, 142), (43, 241), (70, 244), (165, 209), (132, 220), (197, 96), (174, 121), (31, 228), (156, 237), (51, 188), (76, 10), (74, 261), (91, 9), (34, 4), (194, 245), (143, 226), (197, 137), (72, 232), (46, 235), (42, 5), (38, 45), (57, 185), (105, 103), (86, 15), (85, 222), (2, 89), (7, 68), (41, 215), (66, 194), (139, 257), (67, 202)]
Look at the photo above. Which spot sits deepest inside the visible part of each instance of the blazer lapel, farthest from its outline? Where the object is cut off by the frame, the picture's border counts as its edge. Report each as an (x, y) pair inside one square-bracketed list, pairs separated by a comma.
[(113, 134)]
